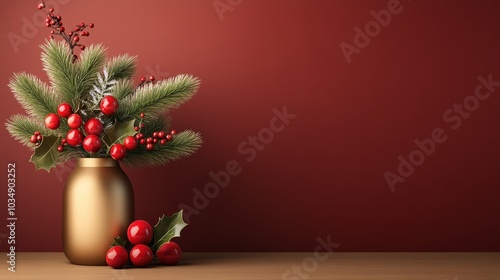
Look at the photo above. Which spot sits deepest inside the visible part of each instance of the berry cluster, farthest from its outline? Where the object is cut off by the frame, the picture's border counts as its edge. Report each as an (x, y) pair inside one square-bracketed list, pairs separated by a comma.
[(93, 127), (73, 37), (140, 234), (158, 137), (145, 81), (36, 138)]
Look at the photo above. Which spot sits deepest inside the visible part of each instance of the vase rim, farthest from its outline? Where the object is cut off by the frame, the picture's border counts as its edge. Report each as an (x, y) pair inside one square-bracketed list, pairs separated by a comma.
[(96, 162)]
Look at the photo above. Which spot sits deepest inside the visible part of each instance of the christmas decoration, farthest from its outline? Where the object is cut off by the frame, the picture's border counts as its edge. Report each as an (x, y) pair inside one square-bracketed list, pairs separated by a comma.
[(140, 234), (169, 253), (87, 89), (117, 257)]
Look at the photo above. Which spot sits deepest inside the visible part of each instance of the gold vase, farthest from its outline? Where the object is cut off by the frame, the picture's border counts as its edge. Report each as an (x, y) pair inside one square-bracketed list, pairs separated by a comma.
[(98, 204)]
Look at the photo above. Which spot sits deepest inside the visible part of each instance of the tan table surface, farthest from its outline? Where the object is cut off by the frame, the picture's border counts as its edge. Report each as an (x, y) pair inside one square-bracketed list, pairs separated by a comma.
[(350, 266)]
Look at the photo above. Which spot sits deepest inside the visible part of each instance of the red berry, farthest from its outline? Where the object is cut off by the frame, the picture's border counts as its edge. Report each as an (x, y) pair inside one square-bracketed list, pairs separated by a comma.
[(163, 141), (118, 152), (59, 18), (64, 141), (41, 6), (155, 134), (82, 24), (33, 139), (141, 255), (143, 79), (139, 232), (173, 132), (92, 143), (136, 128), (51, 31), (51, 37), (51, 10), (64, 110), (47, 19), (142, 141), (60, 148), (142, 125), (60, 23), (168, 137), (37, 133), (130, 143), (74, 137), (82, 47), (142, 115), (161, 134), (93, 126), (61, 29), (149, 140), (155, 140), (151, 78), (169, 253), (39, 138), (52, 121), (52, 22), (76, 38), (71, 33), (74, 121), (149, 146), (47, 24), (91, 25), (117, 257), (109, 105)]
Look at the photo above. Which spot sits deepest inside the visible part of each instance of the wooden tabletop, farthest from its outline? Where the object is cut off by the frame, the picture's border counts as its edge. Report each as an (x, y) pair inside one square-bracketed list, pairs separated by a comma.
[(293, 266)]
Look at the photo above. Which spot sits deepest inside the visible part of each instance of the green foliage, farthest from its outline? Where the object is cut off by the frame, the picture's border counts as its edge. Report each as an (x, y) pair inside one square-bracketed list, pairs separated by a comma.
[(182, 145), (156, 99), (22, 127), (33, 95), (83, 83)]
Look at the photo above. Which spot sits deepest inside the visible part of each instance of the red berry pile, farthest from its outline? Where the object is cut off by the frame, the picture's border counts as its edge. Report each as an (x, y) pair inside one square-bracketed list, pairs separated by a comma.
[(140, 234), (36, 138)]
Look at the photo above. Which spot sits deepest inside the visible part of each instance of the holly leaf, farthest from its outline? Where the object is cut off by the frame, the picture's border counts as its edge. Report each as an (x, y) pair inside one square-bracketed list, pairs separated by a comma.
[(118, 241), (46, 155), (118, 132), (168, 228)]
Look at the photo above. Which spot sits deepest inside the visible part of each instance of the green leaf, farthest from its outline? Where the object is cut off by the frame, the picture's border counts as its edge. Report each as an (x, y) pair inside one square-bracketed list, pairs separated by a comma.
[(46, 155), (118, 241), (118, 132), (168, 228)]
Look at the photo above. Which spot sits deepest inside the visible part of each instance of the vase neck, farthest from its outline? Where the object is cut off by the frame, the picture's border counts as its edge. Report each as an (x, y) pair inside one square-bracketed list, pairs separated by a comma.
[(96, 162)]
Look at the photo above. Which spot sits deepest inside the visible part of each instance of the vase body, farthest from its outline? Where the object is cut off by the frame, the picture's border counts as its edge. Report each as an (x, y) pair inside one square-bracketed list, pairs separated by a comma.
[(98, 205)]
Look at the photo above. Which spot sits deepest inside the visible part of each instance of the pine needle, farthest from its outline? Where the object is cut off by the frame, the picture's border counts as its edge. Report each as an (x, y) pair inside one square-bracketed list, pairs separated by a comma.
[(22, 127)]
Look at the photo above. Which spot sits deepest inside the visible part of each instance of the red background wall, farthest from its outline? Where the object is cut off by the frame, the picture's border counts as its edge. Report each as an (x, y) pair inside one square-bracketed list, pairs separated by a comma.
[(324, 173)]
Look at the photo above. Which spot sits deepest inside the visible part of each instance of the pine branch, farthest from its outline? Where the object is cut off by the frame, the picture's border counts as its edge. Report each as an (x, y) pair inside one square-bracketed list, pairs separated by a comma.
[(122, 89), (121, 67), (34, 95), (156, 99), (22, 127), (182, 145), (90, 64), (56, 59)]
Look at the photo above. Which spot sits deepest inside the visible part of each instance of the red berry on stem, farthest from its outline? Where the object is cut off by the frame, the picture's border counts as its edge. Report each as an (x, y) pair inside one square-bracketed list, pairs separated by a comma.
[(64, 141), (51, 10), (61, 29), (59, 18), (149, 140), (52, 22), (149, 146), (142, 115), (136, 128), (47, 24), (161, 134), (163, 141), (51, 31), (140, 232), (151, 78), (41, 6), (92, 143), (168, 137), (71, 33), (64, 110), (60, 148), (52, 121), (143, 79), (74, 137), (93, 126), (155, 140), (169, 253), (74, 121), (91, 25), (37, 133), (155, 134), (39, 138), (82, 47), (109, 105), (142, 141), (33, 139), (76, 39), (51, 37), (173, 132), (118, 152), (141, 255), (130, 143), (117, 257), (142, 125)]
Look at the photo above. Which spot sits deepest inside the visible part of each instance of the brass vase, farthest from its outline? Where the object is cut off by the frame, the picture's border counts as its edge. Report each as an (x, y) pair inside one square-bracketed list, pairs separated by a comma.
[(98, 204)]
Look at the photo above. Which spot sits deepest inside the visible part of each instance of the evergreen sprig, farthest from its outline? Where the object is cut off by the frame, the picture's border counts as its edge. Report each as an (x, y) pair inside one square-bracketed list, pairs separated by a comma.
[(121, 67), (22, 127)]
